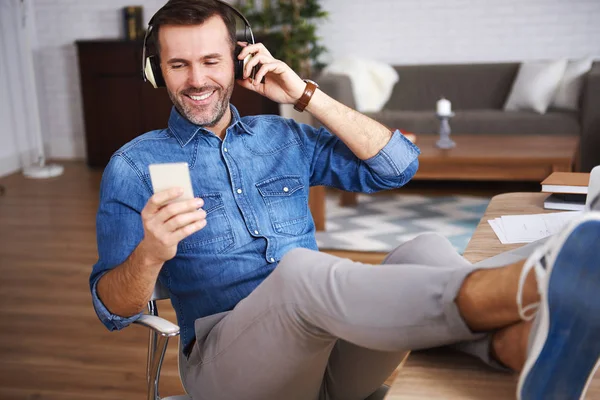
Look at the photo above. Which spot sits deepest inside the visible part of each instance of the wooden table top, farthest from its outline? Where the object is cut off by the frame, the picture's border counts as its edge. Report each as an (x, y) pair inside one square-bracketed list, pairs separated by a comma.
[(496, 157), (517, 148), (446, 374)]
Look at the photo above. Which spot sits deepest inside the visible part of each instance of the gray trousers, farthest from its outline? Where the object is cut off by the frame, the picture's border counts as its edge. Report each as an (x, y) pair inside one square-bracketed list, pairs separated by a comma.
[(323, 327)]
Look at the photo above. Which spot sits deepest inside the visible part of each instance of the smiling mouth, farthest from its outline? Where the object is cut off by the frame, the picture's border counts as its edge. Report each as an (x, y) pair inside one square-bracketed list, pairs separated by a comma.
[(201, 97)]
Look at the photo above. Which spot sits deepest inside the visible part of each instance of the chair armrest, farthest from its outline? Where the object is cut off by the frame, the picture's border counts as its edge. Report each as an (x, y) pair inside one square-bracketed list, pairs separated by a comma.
[(338, 87), (590, 120), (159, 325)]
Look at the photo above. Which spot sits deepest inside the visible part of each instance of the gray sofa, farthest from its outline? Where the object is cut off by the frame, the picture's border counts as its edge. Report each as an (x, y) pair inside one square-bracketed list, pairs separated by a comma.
[(478, 93)]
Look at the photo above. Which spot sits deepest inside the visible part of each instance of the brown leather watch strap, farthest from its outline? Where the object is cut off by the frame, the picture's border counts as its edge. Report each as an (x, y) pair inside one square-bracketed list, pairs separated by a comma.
[(309, 90)]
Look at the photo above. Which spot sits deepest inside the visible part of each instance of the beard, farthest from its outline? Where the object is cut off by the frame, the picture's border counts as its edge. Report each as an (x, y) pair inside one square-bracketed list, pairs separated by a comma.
[(203, 115)]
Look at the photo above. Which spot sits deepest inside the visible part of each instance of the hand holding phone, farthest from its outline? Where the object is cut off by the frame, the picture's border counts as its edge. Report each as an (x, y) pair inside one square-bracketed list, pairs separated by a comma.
[(170, 175), (171, 214)]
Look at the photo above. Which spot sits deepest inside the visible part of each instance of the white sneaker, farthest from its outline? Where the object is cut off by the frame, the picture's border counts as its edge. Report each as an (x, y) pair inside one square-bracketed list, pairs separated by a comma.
[(564, 345)]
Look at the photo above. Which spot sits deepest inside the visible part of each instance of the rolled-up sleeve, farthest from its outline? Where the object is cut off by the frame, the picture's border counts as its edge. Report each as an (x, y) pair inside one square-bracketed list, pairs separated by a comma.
[(119, 229), (111, 321), (395, 158), (332, 163)]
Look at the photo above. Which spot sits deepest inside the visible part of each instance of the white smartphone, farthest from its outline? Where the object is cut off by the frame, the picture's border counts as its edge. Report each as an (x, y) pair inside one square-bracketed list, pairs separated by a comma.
[(169, 175)]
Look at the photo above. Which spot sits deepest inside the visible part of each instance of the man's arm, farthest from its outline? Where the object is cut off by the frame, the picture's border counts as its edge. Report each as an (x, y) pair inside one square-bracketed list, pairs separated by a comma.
[(363, 136), (126, 289)]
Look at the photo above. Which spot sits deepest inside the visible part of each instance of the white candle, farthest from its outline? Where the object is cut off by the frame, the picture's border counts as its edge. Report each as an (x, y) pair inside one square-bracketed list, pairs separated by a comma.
[(444, 107)]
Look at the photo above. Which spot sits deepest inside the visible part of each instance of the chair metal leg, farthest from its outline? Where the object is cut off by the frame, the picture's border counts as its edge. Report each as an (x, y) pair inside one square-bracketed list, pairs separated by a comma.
[(152, 336), (152, 380), (161, 348)]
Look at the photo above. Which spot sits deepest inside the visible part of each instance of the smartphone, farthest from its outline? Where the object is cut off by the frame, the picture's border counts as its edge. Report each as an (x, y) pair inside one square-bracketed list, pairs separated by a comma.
[(168, 175)]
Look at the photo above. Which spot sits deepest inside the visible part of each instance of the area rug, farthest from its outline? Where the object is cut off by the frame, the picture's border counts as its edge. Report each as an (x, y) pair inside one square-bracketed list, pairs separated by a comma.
[(381, 222)]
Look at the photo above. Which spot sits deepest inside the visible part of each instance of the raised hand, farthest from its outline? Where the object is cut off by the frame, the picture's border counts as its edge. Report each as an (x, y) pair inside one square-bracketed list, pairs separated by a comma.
[(282, 84)]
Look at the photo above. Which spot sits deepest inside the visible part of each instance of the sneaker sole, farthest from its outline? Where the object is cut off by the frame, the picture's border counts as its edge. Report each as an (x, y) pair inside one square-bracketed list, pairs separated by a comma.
[(565, 353)]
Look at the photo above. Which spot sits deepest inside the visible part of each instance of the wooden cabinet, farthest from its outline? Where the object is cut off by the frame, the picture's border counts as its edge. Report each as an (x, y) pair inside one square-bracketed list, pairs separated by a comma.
[(118, 105)]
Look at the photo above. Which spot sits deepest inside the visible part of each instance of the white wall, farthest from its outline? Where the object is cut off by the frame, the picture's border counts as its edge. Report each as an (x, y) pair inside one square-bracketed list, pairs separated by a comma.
[(18, 103), (59, 24), (459, 31), (395, 31)]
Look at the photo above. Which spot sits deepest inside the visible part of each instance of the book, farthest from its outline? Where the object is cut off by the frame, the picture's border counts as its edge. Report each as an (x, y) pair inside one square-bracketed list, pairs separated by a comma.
[(132, 17), (566, 182), (565, 201)]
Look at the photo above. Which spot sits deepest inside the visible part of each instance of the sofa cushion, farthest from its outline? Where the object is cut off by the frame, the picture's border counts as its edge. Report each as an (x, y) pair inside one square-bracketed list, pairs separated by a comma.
[(569, 90), (535, 85), (484, 122), (467, 86)]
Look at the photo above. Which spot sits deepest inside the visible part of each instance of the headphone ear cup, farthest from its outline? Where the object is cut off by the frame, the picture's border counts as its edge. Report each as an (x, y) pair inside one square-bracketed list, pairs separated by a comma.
[(148, 73), (238, 65), (156, 71), (153, 72)]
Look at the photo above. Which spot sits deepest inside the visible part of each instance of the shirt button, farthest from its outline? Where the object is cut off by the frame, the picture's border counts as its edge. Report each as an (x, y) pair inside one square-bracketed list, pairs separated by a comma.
[(285, 189), (225, 149), (272, 259), (239, 191), (256, 232)]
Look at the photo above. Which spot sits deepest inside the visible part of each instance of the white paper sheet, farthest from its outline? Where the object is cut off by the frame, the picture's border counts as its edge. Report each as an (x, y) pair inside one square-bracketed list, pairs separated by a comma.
[(528, 228)]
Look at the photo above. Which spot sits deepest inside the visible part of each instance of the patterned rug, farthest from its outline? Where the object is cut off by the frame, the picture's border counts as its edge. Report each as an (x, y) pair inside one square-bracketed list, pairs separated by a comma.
[(382, 222)]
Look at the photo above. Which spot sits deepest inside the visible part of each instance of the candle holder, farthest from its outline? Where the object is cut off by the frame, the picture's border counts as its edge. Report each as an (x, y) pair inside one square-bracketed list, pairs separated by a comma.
[(445, 142)]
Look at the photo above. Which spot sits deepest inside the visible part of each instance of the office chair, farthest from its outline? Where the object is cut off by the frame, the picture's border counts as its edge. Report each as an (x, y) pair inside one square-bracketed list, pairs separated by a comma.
[(161, 331)]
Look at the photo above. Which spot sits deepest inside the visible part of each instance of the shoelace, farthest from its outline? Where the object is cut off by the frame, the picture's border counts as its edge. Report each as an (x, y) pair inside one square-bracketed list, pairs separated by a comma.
[(533, 262)]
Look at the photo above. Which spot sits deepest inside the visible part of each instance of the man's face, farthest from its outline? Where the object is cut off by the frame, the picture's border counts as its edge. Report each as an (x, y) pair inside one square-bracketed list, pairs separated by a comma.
[(198, 69)]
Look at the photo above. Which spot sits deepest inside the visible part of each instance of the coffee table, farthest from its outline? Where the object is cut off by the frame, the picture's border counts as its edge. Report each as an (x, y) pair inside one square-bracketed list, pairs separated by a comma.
[(449, 375), (492, 158), (496, 157)]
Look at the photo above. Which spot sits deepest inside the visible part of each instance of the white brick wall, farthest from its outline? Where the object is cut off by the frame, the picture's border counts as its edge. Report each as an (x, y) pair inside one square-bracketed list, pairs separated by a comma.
[(394, 31), (449, 31), (59, 24)]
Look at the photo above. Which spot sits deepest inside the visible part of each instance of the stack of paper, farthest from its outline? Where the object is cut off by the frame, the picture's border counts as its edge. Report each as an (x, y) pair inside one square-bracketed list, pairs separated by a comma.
[(528, 228)]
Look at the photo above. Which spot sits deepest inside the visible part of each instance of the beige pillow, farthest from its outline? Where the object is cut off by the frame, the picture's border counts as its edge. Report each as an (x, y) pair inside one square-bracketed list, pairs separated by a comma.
[(535, 85), (569, 89)]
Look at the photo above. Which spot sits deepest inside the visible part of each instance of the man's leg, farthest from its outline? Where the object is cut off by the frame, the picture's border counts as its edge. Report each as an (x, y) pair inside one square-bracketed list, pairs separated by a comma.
[(353, 372), (570, 261), (277, 341)]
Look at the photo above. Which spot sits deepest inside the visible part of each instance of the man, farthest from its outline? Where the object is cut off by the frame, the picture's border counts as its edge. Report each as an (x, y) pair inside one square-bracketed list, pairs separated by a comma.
[(263, 314)]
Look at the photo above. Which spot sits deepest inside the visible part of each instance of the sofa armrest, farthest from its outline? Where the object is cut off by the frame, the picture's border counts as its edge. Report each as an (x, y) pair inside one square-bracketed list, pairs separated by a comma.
[(338, 87), (590, 120)]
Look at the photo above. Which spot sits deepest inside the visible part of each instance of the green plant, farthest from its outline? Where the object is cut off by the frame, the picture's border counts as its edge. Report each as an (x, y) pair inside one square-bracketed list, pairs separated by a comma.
[(289, 29)]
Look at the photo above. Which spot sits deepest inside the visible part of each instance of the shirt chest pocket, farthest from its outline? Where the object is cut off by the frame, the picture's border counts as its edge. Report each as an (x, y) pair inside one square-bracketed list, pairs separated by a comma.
[(286, 200), (217, 235)]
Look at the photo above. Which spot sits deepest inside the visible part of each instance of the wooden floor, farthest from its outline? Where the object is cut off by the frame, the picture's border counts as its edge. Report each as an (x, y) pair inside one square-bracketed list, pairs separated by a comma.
[(52, 345)]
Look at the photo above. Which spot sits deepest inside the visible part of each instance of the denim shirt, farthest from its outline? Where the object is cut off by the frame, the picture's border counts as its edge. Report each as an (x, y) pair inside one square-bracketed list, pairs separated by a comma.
[(255, 186)]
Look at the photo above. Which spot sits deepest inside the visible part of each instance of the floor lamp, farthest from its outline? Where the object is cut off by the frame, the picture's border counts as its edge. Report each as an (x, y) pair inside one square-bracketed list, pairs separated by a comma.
[(39, 170)]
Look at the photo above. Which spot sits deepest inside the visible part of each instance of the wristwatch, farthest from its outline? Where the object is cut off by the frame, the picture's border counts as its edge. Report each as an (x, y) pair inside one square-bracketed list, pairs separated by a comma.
[(311, 88)]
